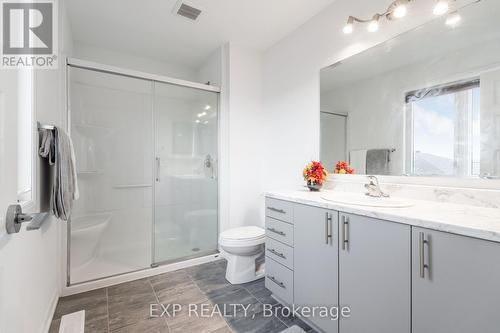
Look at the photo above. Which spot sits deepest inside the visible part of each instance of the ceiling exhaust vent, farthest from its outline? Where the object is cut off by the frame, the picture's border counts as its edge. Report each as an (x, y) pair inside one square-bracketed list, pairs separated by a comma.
[(186, 10)]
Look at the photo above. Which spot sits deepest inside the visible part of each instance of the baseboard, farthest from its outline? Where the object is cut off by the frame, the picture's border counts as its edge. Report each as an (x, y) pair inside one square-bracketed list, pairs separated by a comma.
[(50, 313)]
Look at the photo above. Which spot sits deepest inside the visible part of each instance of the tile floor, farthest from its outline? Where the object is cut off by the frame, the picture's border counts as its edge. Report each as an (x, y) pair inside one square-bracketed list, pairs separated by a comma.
[(126, 307)]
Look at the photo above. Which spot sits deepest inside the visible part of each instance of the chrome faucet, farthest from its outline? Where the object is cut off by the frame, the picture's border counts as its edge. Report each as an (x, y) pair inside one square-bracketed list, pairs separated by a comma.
[(374, 189)]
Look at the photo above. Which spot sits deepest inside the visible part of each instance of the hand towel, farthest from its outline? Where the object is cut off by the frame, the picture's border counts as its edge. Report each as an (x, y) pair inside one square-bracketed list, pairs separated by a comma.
[(377, 162)]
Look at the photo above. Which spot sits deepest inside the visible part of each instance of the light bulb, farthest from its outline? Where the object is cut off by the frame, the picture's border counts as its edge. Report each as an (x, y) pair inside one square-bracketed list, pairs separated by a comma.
[(349, 27), (400, 11), (207, 107), (373, 25), (441, 7), (453, 18)]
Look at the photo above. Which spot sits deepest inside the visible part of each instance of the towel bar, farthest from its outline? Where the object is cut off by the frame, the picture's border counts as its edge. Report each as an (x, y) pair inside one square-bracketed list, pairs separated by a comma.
[(15, 217), (40, 126)]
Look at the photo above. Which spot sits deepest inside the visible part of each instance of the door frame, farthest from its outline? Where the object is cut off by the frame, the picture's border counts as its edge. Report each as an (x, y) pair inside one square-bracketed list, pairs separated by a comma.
[(338, 114)]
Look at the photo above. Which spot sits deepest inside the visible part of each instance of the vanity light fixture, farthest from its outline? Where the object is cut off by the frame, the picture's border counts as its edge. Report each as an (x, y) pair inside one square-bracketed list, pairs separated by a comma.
[(207, 107), (399, 8), (349, 27), (396, 10), (453, 18), (374, 25), (199, 115)]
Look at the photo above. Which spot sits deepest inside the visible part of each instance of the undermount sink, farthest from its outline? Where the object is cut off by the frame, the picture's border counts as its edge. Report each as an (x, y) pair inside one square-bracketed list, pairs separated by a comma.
[(364, 200)]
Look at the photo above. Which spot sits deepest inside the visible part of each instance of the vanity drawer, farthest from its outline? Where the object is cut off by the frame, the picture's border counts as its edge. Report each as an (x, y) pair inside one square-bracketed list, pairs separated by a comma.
[(279, 231), (279, 209), (279, 252), (279, 280)]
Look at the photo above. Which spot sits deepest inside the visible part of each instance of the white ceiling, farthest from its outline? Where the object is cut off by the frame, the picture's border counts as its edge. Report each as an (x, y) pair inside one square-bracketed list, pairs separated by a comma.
[(149, 28)]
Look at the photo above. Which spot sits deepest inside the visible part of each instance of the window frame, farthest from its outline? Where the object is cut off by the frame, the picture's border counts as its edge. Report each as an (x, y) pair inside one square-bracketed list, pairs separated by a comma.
[(30, 205), (409, 136)]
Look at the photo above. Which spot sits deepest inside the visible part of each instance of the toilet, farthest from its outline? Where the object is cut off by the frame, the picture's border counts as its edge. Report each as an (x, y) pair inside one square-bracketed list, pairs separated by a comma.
[(242, 247)]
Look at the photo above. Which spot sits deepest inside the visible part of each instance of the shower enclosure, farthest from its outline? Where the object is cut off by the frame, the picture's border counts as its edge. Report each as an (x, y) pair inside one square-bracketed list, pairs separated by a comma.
[(146, 154)]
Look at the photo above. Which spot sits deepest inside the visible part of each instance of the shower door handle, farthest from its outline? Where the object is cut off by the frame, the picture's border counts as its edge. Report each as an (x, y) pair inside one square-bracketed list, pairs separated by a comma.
[(158, 169)]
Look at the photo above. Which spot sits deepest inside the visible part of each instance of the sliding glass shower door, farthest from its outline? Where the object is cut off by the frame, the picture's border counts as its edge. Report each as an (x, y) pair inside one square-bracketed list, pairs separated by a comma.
[(186, 214), (146, 155), (111, 128)]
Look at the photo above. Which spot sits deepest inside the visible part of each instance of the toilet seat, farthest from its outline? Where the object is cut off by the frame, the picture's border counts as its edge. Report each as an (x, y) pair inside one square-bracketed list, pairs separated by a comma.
[(243, 236)]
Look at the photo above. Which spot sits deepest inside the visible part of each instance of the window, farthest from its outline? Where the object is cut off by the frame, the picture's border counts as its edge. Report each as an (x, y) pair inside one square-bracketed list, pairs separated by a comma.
[(443, 130), (25, 140)]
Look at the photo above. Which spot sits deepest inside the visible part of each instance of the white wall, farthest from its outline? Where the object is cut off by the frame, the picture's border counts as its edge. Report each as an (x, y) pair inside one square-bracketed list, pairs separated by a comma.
[(129, 61), (211, 69), (291, 95), (30, 262), (245, 137)]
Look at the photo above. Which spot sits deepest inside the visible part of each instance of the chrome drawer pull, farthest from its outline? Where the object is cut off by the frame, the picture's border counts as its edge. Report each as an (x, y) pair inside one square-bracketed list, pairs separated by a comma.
[(273, 251), (422, 243), (345, 233), (281, 233), (281, 211), (280, 284)]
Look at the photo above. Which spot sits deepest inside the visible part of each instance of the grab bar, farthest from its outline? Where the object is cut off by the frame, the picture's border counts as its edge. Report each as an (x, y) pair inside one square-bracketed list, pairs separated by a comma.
[(124, 186)]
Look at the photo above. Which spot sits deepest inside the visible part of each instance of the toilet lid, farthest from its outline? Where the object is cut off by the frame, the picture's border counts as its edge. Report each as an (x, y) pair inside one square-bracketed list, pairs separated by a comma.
[(243, 233)]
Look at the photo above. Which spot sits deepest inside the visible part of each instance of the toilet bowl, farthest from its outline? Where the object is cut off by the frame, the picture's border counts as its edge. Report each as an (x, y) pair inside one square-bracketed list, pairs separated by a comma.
[(86, 232), (242, 247)]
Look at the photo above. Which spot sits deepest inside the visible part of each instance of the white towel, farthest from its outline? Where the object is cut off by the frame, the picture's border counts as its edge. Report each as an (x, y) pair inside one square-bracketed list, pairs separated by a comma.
[(357, 161)]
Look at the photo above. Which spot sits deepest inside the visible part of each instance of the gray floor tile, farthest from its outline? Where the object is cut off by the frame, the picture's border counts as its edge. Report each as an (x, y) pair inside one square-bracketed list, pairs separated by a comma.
[(128, 304), (225, 329), (93, 302), (289, 319), (145, 326), (170, 280), (185, 294), (120, 318), (256, 323), (133, 287), (239, 297), (204, 271), (211, 286), (196, 321), (96, 326)]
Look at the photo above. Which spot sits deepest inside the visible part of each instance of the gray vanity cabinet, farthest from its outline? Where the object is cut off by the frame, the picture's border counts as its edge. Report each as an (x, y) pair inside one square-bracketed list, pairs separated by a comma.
[(316, 261), (454, 283), (374, 275)]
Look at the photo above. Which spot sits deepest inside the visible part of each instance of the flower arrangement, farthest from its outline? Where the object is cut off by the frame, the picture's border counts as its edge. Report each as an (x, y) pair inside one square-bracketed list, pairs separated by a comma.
[(315, 175), (343, 168)]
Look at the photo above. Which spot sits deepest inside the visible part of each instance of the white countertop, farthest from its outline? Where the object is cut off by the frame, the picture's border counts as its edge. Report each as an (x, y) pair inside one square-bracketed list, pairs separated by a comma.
[(472, 221)]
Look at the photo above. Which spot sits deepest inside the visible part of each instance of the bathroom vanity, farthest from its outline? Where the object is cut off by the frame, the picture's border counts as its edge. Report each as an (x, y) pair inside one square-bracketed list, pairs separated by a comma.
[(429, 267)]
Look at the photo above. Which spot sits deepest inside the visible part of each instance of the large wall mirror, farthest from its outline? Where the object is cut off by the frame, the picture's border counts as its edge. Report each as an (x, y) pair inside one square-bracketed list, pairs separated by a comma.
[(426, 103)]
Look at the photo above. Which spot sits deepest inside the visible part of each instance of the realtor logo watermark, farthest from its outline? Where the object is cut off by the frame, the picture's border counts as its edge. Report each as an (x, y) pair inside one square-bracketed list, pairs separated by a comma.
[(29, 34)]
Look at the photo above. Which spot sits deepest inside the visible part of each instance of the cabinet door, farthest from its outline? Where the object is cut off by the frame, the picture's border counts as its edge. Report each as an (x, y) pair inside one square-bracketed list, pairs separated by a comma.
[(316, 261), (374, 279), (455, 283)]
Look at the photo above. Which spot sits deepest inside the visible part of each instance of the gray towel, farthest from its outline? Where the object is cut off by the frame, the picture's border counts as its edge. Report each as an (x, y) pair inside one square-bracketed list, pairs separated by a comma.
[(56, 146), (377, 161)]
